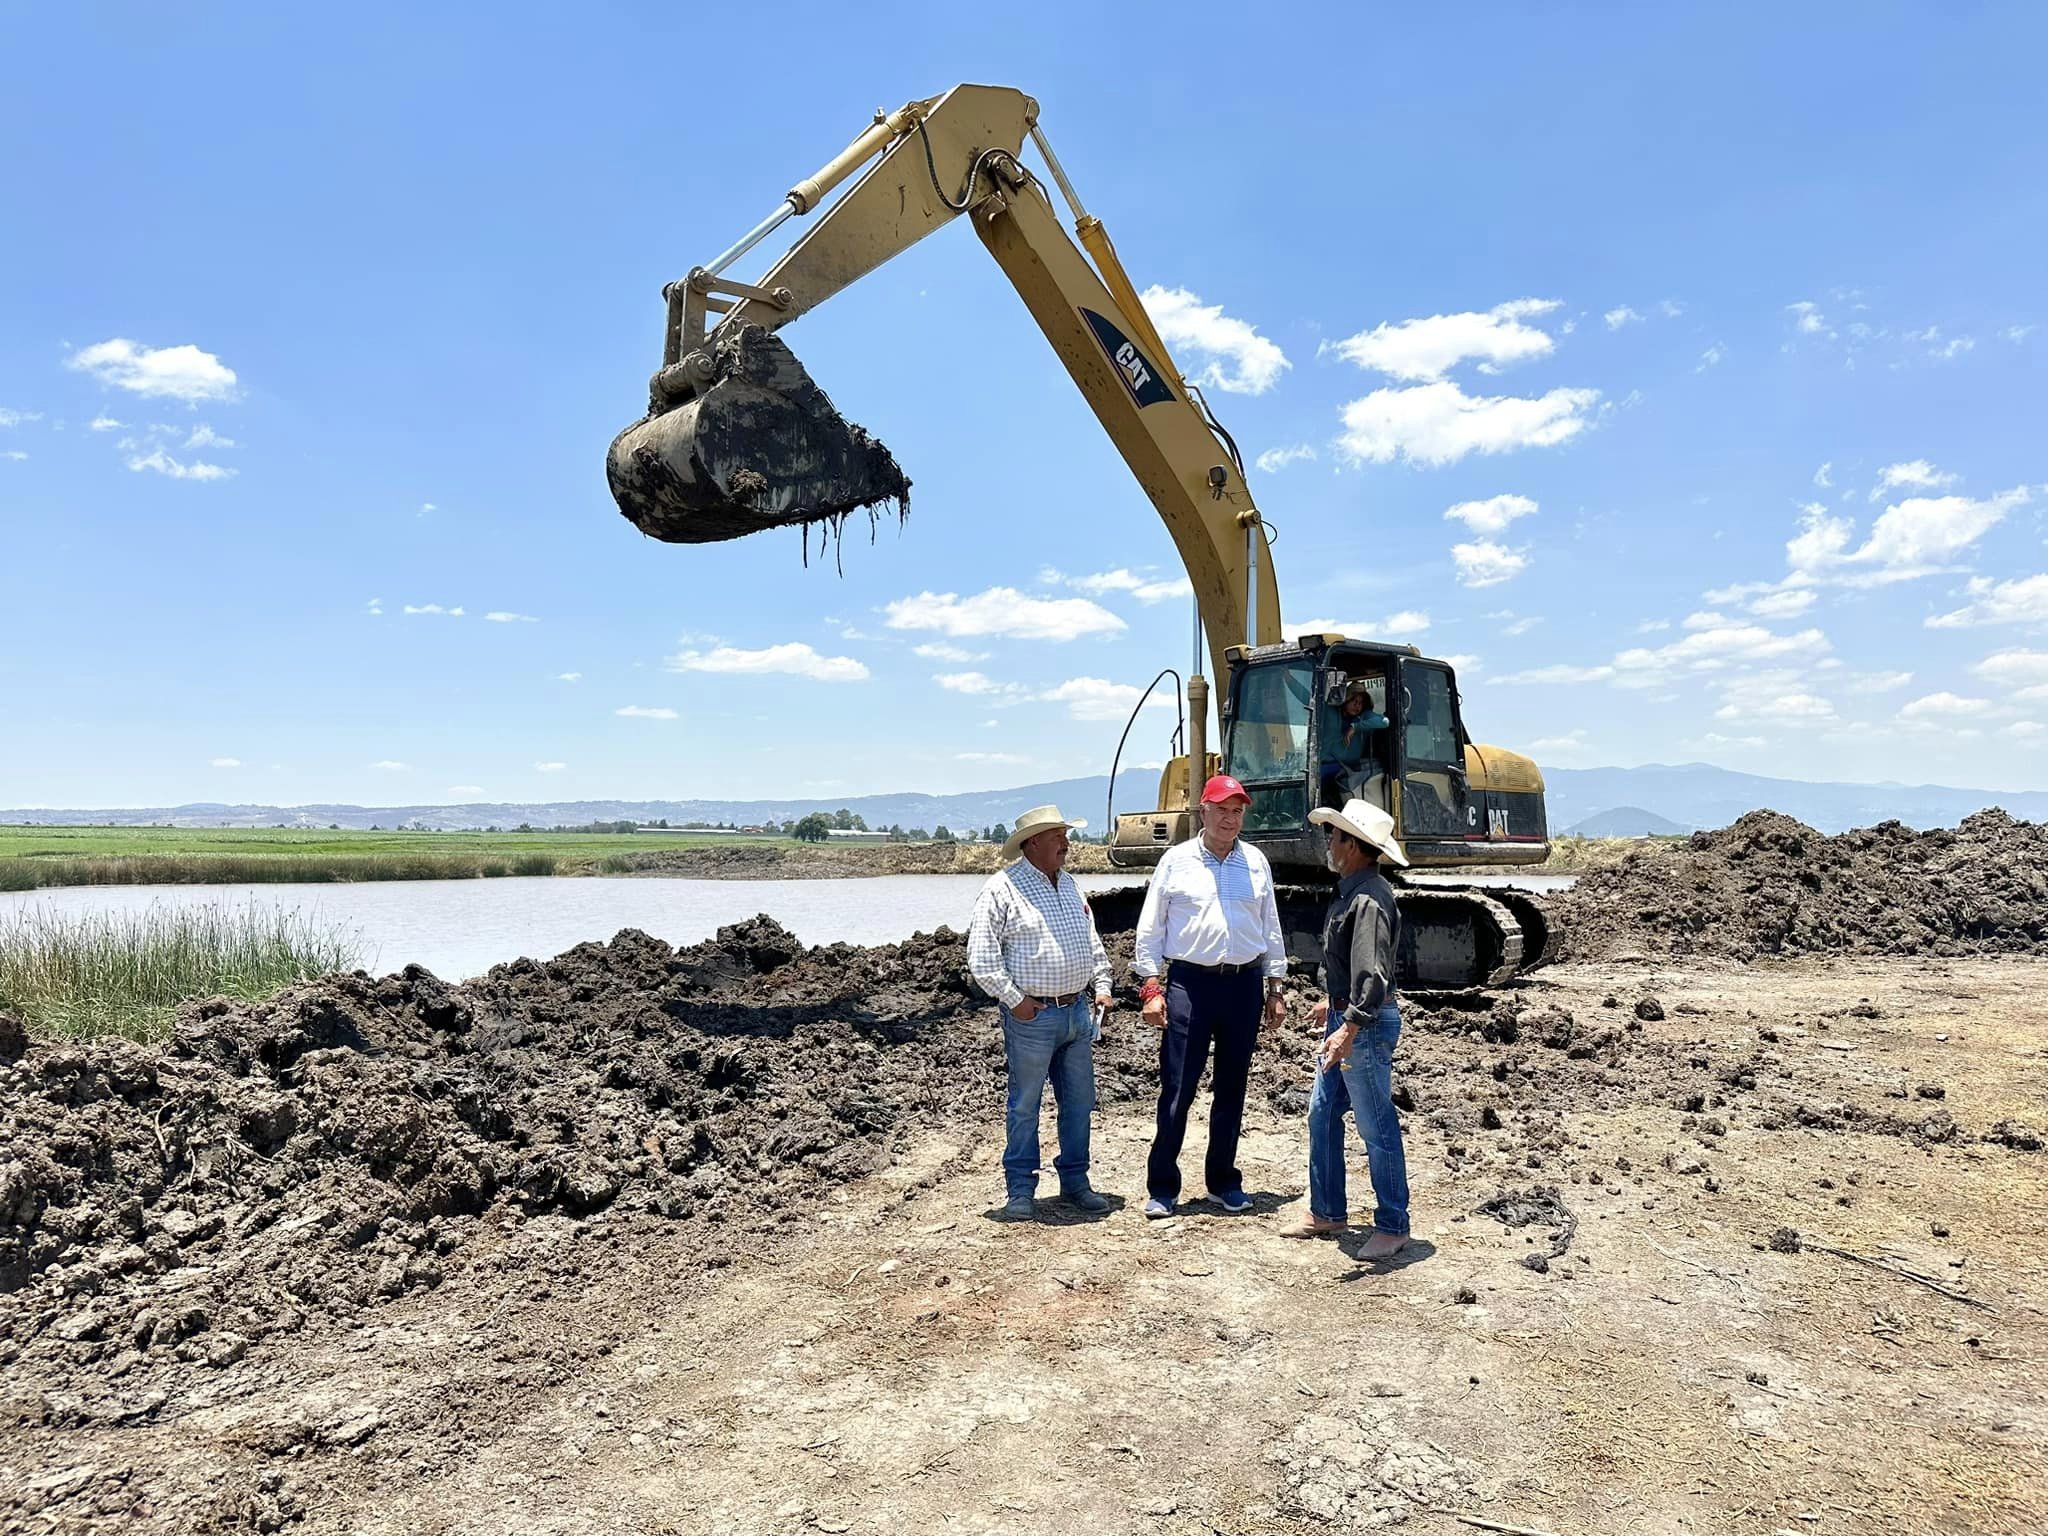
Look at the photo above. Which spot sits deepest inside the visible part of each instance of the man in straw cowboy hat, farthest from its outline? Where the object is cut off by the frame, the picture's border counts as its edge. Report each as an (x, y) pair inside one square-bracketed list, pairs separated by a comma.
[(1033, 947), (1209, 947), (1360, 1023)]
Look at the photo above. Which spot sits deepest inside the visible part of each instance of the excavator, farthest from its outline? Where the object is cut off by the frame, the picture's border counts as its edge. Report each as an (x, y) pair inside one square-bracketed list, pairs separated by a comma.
[(738, 439)]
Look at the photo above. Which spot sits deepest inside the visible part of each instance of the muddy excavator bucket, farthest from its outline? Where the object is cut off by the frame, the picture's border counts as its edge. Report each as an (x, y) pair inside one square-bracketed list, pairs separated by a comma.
[(758, 446)]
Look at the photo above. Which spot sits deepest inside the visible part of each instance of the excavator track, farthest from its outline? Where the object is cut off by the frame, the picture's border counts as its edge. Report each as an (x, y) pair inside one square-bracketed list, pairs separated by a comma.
[(1453, 938)]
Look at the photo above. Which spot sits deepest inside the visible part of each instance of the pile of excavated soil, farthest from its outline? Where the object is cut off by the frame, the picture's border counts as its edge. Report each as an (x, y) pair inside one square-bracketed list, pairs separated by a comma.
[(1769, 885), (296, 1161)]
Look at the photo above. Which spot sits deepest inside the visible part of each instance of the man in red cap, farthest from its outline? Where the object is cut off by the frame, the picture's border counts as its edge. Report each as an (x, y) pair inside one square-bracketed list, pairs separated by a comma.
[(1209, 950)]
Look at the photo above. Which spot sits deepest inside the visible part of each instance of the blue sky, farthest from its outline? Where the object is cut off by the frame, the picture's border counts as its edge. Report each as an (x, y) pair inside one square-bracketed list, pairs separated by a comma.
[(1722, 329)]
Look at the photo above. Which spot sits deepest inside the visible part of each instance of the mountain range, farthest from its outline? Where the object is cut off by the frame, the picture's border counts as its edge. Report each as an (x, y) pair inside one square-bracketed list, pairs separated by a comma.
[(1631, 801)]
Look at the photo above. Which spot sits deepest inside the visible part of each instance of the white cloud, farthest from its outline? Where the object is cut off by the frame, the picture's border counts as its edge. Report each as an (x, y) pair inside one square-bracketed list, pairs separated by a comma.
[(1807, 318), (376, 607), (792, 657), (1487, 564), (179, 373), (989, 757), (425, 508), (1711, 358), (1713, 642), (1491, 515), (940, 651), (646, 712), (1424, 350), (1916, 537), (1670, 309), (1462, 663), (1004, 612), (389, 766), (203, 436), (1145, 589), (15, 455), (1944, 706), (434, 610), (1515, 626), (1821, 476), (1914, 474), (1946, 351), (2023, 673), (1558, 672), (549, 767), (1571, 741), (2020, 601), (976, 684), (1235, 357), (503, 616), (2027, 732), (1786, 603), (1438, 424), (568, 677), (1878, 682), (224, 762), (1655, 626), (1273, 460), (9, 418), (2017, 333), (465, 789), (1774, 695), (1408, 621), (1618, 317), (1714, 739), (104, 424), (1095, 698), (164, 464)]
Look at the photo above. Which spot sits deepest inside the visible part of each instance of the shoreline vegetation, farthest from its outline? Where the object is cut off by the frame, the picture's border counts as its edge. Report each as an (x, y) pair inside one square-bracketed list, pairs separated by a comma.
[(79, 976), (40, 858)]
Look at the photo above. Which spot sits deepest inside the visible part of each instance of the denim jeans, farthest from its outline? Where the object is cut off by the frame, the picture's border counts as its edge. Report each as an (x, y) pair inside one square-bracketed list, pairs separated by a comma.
[(1364, 1085), (1057, 1044)]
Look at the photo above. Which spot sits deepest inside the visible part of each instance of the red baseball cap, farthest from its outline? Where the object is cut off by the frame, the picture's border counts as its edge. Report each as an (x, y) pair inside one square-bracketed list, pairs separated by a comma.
[(1221, 788)]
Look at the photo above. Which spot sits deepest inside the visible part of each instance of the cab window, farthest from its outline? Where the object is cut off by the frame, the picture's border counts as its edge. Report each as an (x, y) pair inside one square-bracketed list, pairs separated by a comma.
[(1430, 724), (1269, 728)]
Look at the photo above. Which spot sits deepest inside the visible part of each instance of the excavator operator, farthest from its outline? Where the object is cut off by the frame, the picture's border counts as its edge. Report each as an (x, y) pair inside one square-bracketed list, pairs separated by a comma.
[(1351, 738)]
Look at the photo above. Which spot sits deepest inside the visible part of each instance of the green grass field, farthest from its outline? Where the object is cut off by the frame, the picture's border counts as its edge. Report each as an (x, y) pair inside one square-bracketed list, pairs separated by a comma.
[(32, 857)]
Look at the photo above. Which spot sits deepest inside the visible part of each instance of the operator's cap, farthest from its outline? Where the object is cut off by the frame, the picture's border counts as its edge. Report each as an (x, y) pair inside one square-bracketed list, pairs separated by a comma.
[(1221, 788)]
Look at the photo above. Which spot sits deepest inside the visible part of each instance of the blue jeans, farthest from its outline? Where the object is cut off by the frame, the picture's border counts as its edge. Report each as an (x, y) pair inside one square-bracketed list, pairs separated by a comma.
[(1364, 1085), (1057, 1044)]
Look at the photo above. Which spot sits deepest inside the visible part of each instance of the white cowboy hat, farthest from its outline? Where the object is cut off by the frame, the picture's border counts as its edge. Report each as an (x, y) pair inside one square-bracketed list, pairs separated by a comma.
[(1366, 822), (1040, 818)]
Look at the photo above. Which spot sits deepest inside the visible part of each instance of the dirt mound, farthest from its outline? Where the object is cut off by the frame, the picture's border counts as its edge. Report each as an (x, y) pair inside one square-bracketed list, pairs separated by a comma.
[(1769, 885), (349, 1138)]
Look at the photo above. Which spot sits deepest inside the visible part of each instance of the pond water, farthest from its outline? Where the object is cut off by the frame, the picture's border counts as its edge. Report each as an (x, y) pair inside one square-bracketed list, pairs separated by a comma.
[(461, 928)]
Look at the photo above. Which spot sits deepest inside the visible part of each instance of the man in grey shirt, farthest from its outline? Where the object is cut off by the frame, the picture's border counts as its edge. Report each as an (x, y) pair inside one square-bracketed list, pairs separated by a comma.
[(1360, 1023)]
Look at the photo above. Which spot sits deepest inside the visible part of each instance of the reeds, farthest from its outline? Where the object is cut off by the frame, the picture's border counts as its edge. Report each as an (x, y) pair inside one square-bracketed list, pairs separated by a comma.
[(124, 974), (30, 874)]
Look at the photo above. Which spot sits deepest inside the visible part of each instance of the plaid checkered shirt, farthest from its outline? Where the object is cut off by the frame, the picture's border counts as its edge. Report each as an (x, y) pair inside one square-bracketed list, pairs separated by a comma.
[(1034, 937)]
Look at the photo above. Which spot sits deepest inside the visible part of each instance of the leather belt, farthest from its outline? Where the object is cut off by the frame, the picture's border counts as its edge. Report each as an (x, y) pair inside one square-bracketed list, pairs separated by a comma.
[(1066, 1000), (1226, 968)]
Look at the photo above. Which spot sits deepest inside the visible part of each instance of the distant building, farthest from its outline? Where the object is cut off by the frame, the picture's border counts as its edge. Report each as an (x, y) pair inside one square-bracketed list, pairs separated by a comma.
[(837, 836)]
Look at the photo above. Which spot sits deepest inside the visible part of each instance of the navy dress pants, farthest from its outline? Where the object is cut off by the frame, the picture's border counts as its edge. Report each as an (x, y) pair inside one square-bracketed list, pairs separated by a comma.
[(1204, 1008)]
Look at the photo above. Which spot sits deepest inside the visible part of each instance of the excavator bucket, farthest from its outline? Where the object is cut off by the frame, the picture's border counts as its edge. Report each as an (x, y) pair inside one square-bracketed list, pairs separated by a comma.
[(758, 446)]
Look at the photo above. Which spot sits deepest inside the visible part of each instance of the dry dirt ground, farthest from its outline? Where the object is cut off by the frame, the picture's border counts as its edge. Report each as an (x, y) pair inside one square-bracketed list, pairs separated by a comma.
[(893, 1358)]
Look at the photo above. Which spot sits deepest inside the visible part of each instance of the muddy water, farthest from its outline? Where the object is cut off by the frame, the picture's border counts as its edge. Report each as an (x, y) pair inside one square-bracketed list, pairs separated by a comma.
[(461, 928)]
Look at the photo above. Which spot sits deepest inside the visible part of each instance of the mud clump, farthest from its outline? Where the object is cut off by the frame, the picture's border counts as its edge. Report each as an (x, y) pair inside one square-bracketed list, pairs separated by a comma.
[(760, 446), (1769, 885)]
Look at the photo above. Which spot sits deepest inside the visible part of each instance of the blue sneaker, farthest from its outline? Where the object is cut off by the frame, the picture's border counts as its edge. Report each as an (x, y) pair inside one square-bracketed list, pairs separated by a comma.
[(1237, 1202), (1157, 1209)]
